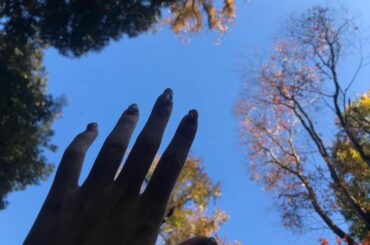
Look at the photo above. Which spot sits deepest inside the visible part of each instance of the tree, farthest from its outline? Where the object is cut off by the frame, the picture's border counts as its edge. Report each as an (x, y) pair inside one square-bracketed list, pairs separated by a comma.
[(286, 125), (339, 242), (76, 27), (188, 211), (26, 113), (351, 167)]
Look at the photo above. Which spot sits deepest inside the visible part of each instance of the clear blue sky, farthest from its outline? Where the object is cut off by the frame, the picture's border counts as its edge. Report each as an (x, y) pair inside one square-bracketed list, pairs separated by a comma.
[(203, 76)]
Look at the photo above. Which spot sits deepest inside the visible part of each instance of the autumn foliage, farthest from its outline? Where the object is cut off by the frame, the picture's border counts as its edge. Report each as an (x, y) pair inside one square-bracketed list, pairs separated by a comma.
[(187, 16), (192, 209), (290, 107), (339, 242)]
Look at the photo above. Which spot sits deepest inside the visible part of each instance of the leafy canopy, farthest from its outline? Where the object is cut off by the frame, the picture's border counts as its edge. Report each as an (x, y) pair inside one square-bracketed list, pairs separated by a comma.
[(26, 113), (74, 28), (298, 98), (351, 166), (78, 26)]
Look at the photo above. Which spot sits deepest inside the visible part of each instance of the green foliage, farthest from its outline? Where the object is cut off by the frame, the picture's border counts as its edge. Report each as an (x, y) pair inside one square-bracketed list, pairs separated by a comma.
[(78, 26), (351, 167), (26, 113), (74, 28)]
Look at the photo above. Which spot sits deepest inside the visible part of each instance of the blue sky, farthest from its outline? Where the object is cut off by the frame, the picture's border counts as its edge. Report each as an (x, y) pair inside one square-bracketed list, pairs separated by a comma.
[(204, 76)]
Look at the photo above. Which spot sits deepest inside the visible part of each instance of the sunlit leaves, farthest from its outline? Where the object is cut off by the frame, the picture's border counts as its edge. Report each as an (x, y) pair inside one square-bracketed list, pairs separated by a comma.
[(351, 166), (283, 125), (77, 27), (192, 209), (187, 16)]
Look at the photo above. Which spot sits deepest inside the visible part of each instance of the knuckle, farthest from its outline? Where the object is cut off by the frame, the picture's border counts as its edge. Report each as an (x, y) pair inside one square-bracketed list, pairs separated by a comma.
[(172, 165), (116, 143), (164, 111), (149, 143), (80, 136), (74, 151), (127, 119), (82, 139)]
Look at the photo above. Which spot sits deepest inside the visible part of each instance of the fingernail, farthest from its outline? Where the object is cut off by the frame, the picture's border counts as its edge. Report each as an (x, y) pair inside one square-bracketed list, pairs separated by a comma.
[(92, 126), (133, 109), (193, 115), (168, 94), (212, 241)]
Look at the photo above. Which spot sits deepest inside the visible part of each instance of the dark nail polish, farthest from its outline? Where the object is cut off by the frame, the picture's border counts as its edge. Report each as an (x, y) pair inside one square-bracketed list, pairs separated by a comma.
[(193, 115), (212, 241), (168, 94), (133, 109), (92, 126)]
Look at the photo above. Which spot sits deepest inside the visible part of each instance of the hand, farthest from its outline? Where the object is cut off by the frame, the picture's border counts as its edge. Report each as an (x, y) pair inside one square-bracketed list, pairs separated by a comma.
[(109, 210)]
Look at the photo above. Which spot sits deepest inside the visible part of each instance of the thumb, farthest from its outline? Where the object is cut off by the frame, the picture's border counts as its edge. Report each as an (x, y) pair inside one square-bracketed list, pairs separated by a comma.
[(200, 241)]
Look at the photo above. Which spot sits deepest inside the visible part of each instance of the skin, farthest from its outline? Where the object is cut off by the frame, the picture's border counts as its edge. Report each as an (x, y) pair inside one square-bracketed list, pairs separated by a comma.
[(109, 210)]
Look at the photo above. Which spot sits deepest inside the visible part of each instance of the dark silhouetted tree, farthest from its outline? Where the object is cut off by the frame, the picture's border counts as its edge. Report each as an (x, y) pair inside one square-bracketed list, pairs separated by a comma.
[(26, 113), (78, 26), (74, 28)]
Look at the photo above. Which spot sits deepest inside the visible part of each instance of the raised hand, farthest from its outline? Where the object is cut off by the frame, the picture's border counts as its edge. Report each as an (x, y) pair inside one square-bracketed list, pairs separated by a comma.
[(109, 210)]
